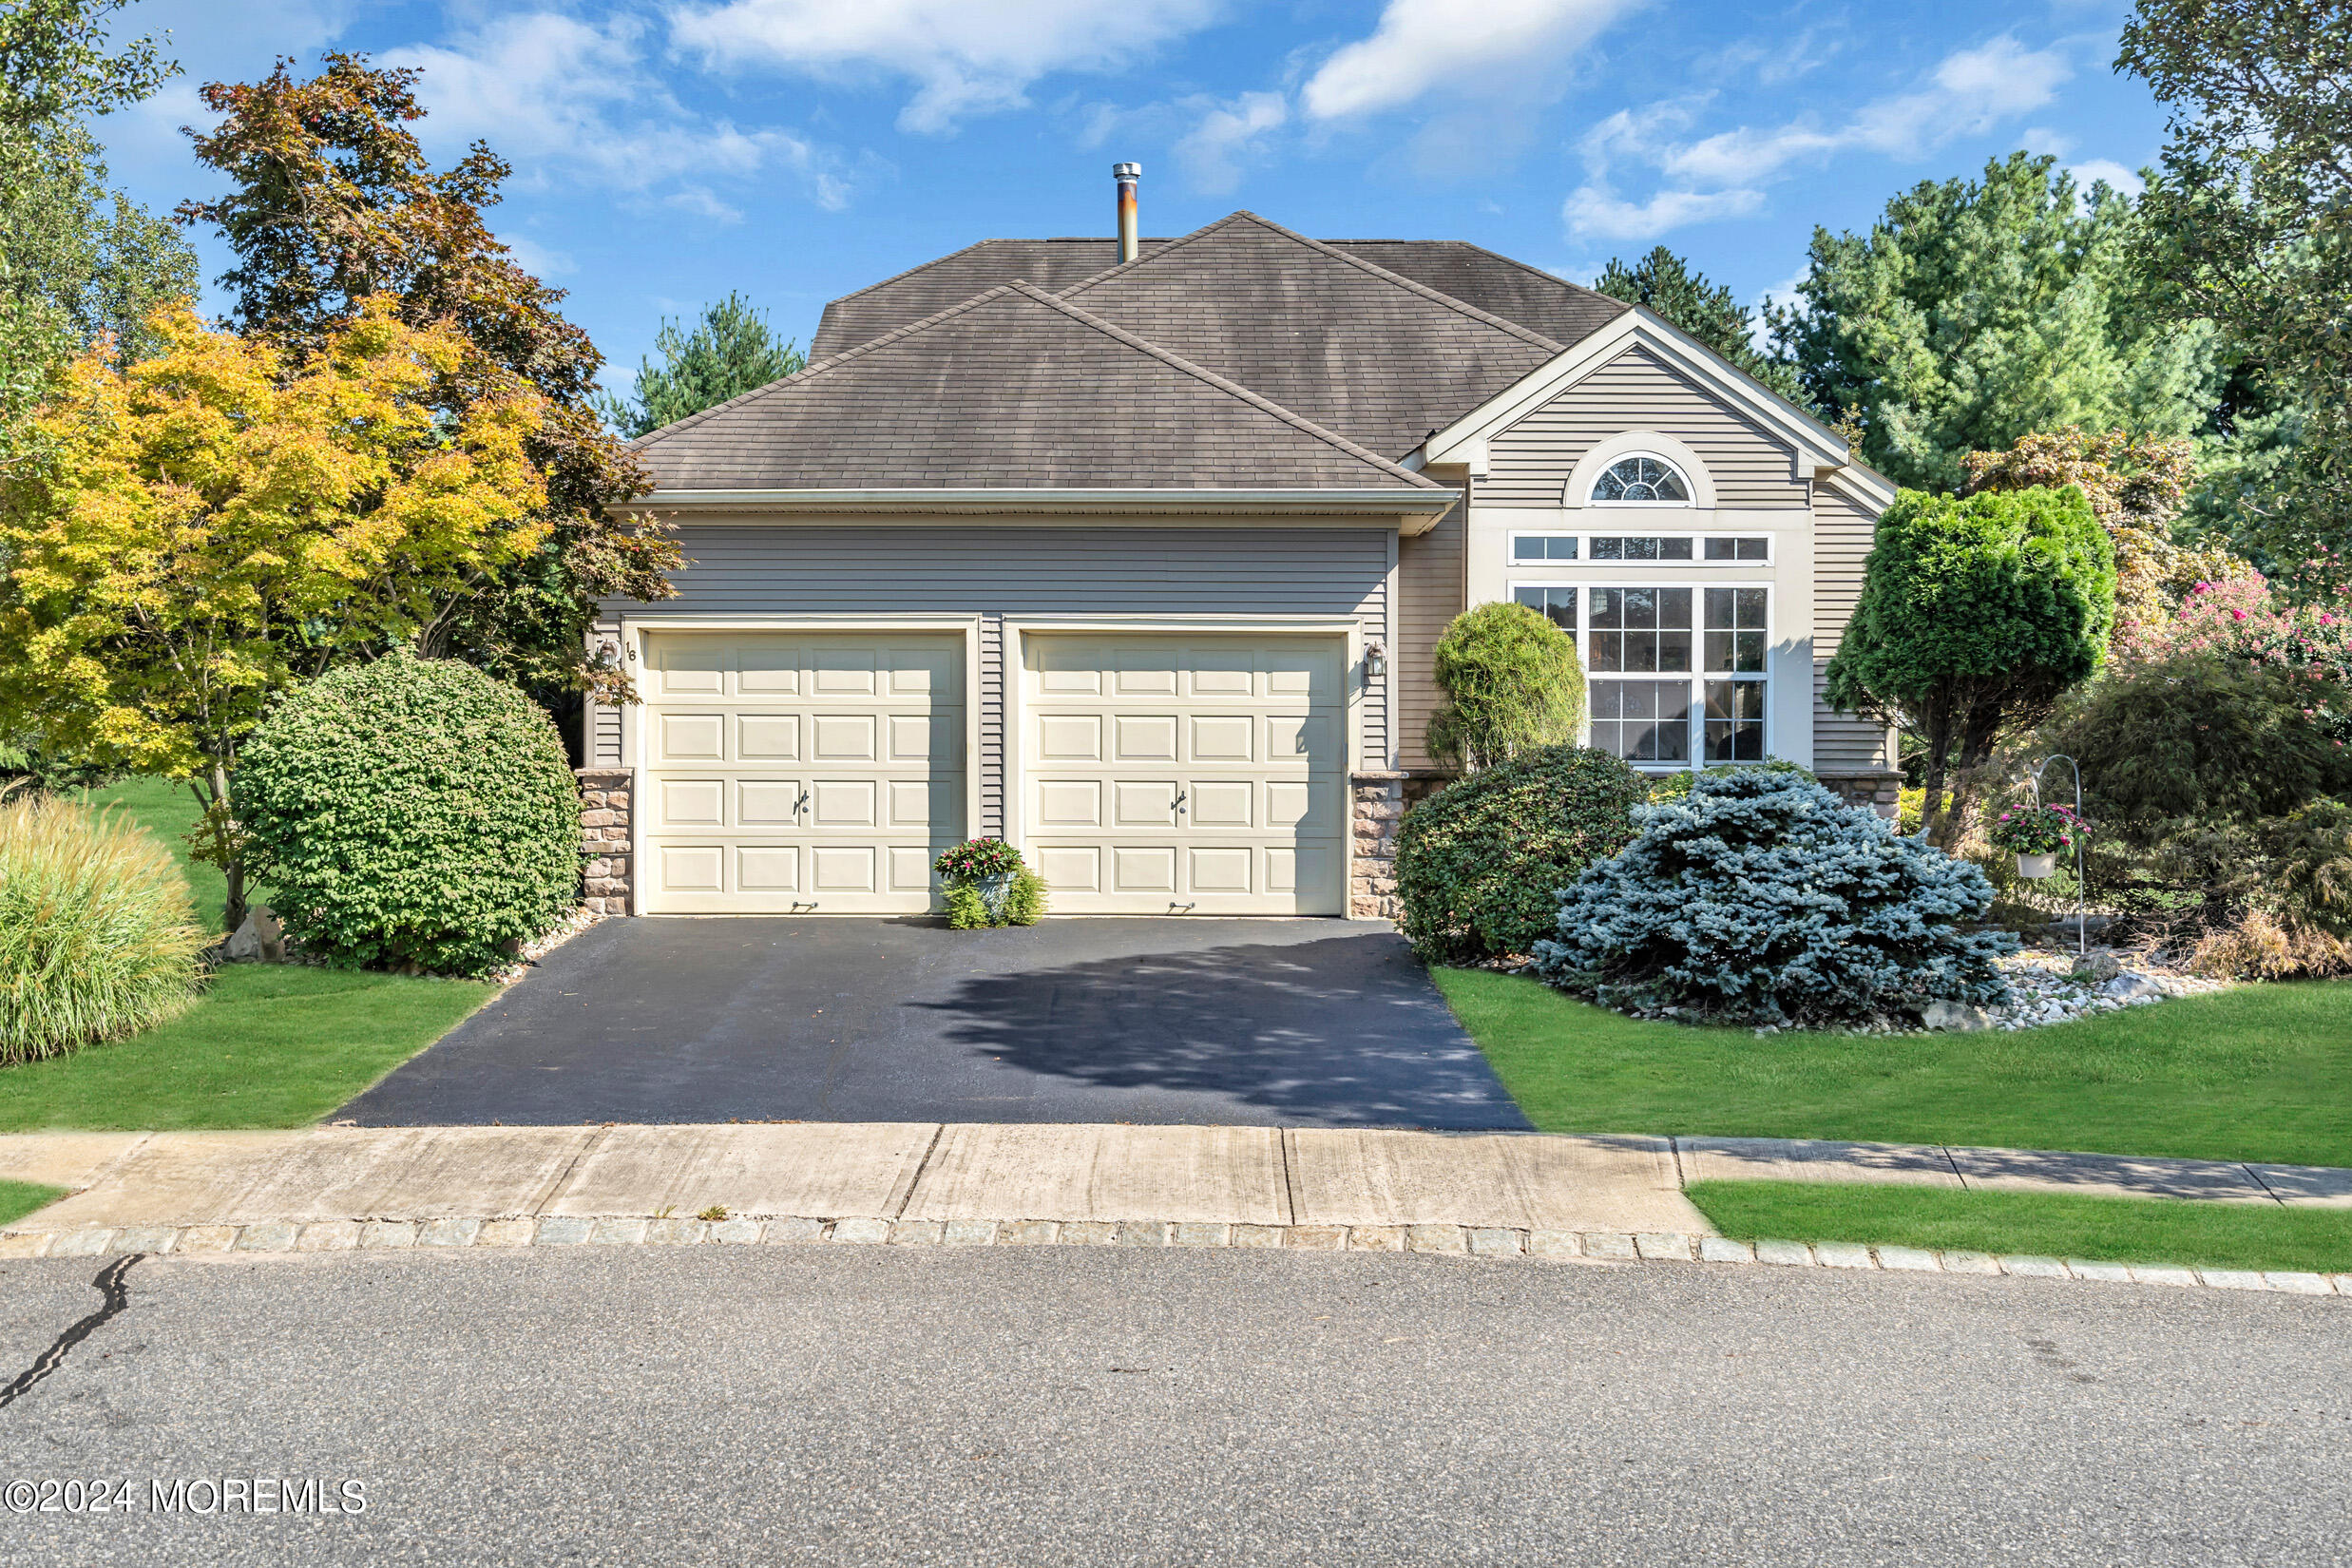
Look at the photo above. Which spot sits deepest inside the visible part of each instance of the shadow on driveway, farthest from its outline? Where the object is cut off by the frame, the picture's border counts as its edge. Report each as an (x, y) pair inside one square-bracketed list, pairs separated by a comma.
[(1281, 1023)]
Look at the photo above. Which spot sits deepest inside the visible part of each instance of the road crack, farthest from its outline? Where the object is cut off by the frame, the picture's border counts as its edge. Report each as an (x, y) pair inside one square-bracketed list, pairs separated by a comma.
[(110, 1283)]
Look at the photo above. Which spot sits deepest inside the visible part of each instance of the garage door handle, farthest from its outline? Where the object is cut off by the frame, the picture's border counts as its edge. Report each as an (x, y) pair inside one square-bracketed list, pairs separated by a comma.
[(1179, 802), (802, 804)]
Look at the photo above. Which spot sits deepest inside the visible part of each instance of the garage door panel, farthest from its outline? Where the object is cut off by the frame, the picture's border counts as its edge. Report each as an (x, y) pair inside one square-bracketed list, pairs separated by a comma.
[(1068, 803), (1144, 803), (767, 737), (1215, 869), (1222, 803), (767, 869), (691, 737), (846, 672), (1221, 738), (800, 772), (767, 802), (1248, 730), (689, 867), (1301, 737), (1143, 868), (843, 867), (690, 802), (1070, 869), (1069, 738)]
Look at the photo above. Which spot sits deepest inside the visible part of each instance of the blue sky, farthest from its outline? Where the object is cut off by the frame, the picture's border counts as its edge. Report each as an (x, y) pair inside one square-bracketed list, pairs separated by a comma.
[(669, 150)]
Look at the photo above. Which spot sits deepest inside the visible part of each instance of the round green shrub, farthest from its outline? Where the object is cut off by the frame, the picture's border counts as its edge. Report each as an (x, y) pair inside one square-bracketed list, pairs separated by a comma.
[(98, 938), (1510, 680), (411, 811), (1760, 897), (1480, 863)]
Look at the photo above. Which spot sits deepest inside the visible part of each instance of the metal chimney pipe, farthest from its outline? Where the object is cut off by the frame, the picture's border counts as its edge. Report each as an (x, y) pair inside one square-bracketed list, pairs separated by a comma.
[(1130, 244)]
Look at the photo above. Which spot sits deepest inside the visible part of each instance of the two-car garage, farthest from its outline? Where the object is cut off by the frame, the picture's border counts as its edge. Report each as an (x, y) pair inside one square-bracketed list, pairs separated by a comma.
[(820, 771)]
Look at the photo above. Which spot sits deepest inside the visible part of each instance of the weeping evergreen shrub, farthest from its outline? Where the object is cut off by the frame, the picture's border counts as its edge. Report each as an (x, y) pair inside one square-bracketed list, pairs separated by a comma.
[(1480, 863), (98, 937), (411, 813), (1760, 897)]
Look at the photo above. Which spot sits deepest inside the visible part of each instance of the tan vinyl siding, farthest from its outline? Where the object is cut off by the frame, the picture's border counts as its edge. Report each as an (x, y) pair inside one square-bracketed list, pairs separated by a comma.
[(1429, 595), (1843, 531), (751, 569), (1529, 464)]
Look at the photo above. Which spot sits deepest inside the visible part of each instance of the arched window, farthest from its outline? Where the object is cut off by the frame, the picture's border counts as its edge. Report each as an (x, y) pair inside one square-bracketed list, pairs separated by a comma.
[(1639, 479)]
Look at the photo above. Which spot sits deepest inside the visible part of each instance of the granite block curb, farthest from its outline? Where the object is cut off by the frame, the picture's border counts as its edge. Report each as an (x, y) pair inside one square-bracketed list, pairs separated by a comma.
[(278, 1237)]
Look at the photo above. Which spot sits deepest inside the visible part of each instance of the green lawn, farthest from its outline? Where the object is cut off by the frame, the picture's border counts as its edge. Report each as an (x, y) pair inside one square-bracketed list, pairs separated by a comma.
[(2126, 1230), (2263, 1073), (19, 1198), (266, 1045), (167, 810)]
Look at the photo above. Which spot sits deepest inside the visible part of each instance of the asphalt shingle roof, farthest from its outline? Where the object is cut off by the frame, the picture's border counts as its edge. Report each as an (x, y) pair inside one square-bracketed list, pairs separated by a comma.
[(1357, 349), (926, 290), (1015, 388), (1555, 306)]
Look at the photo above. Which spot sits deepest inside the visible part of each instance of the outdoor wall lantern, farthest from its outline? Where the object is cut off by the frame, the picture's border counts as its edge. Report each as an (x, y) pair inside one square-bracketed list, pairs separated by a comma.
[(1375, 659)]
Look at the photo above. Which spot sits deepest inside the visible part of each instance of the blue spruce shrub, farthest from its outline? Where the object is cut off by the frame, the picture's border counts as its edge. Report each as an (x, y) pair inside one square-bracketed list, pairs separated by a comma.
[(1760, 897)]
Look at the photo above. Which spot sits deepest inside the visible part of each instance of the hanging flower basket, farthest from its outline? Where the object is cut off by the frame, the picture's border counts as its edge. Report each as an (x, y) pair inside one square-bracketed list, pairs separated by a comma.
[(2037, 836)]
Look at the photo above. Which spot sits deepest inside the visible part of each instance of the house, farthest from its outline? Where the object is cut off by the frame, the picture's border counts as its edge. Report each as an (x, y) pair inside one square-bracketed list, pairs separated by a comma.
[(1135, 552)]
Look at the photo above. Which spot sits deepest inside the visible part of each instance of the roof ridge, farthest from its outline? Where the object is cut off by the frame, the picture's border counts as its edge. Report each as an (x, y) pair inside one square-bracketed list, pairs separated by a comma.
[(822, 365), (1527, 267), (1232, 389), (1463, 307)]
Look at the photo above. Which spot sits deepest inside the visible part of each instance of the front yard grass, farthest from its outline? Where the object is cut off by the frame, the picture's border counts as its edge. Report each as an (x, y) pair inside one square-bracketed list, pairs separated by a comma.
[(265, 1045), (19, 1198), (2262, 1073), (2259, 1236)]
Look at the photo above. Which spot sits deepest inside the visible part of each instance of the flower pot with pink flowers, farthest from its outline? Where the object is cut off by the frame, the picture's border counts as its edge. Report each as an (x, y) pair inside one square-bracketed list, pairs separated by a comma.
[(2038, 836)]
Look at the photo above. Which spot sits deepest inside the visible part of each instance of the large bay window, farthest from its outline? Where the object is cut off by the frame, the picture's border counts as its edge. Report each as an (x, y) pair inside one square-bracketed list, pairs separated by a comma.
[(1677, 672)]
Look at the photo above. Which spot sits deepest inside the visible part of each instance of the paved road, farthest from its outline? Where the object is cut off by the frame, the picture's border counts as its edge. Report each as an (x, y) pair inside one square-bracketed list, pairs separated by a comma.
[(1250, 1022), (845, 1406)]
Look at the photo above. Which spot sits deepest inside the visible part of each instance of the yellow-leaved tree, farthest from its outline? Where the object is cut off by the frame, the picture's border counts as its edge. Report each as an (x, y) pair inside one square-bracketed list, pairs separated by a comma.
[(202, 530)]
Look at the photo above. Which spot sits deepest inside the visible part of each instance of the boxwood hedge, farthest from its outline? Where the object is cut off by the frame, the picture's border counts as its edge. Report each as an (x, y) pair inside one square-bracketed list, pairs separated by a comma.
[(1480, 863)]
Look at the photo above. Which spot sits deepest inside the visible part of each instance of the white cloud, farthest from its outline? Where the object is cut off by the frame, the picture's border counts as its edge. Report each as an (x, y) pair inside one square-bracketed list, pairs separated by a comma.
[(1595, 212), (2093, 169), (1783, 294), (1968, 92), (1211, 155), (536, 258), (966, 56), (550, 92), (1422, 45)]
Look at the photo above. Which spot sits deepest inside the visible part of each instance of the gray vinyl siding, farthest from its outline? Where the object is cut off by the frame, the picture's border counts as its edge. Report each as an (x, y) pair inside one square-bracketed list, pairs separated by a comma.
[(1843, 530), (1429, 595), (1011, 571), (1529, 464)]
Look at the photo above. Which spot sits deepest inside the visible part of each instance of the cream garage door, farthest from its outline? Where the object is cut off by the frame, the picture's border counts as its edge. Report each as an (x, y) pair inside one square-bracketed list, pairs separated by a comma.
[(799, 773), (1172, 774)]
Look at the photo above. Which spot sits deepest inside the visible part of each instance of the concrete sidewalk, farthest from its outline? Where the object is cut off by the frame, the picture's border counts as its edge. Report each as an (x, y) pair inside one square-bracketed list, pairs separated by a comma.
[(881, 1171), (933, 1172)]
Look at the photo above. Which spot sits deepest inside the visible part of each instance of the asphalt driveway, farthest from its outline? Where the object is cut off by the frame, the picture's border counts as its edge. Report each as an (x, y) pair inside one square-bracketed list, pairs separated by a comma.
[(1280, 1023)]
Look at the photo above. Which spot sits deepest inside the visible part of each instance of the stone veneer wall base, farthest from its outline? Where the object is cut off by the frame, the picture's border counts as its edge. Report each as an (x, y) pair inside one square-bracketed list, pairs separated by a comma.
[(1881, 791), (1378, 802), (608, 871)]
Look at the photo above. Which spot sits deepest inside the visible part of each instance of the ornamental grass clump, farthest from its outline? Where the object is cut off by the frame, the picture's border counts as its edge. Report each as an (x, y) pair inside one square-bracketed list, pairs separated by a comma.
[(98, 937), (412, 813), (1763, 898)]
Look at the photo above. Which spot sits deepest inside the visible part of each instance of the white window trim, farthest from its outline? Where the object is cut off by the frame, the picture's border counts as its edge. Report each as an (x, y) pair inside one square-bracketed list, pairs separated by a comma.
[(1596, 504), (1655, 444), (1697, 677), (1584, 538), (1510, 548)]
